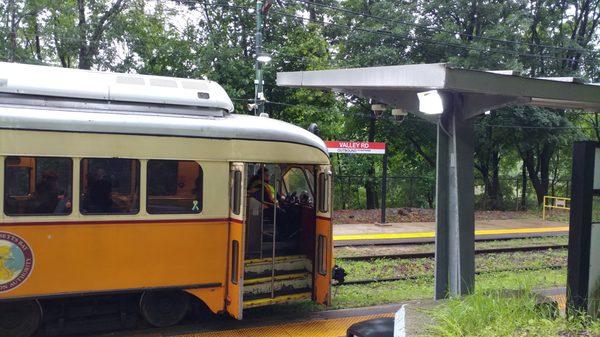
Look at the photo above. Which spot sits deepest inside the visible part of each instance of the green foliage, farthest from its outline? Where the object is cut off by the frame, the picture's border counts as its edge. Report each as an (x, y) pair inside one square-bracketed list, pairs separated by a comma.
[(215, 40), (498, 314), (398, 291)]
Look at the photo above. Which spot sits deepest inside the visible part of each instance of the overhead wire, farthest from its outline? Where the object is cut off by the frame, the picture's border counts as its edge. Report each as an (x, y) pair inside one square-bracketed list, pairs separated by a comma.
[(413, 39), (395, 35), (392, 118), (416, 25), (405, 38), (391, 34)]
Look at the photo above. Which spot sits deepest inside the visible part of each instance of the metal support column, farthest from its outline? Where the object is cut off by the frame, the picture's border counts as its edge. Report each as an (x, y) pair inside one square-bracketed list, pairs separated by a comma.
[(581, 228), (384, 186), (455, 233)]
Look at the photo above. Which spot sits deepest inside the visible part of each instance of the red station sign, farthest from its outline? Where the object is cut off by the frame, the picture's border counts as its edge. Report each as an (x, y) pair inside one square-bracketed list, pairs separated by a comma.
[(355, 147)]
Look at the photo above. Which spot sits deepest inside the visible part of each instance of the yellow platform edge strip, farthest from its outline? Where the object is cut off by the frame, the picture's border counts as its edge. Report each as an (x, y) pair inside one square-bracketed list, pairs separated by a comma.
[(419, 235)]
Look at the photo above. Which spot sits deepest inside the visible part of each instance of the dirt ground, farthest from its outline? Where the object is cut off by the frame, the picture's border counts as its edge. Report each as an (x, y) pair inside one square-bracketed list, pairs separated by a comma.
[(407, 214)]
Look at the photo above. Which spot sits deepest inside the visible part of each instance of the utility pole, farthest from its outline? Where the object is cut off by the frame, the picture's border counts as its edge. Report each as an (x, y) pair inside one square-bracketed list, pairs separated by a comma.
[(262, 7)]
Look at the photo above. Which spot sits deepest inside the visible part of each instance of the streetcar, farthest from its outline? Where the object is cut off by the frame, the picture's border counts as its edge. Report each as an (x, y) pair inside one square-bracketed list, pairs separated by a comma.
[(150, 188)]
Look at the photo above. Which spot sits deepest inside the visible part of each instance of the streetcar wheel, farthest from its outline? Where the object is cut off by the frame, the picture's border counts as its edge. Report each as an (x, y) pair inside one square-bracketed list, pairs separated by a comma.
[(164, 308), (19, 319)]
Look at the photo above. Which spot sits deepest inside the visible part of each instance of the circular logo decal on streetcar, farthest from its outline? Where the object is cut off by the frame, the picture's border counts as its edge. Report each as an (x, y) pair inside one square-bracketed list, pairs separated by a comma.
[(16, 261)]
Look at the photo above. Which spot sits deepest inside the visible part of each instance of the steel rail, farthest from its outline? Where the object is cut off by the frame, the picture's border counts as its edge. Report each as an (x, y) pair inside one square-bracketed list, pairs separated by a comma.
[(431, 254), (417, 277)]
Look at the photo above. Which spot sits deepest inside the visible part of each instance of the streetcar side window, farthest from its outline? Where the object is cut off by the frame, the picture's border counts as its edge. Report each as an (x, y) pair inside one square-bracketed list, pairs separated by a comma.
[(110, 186), (37, 185), (174, 187)]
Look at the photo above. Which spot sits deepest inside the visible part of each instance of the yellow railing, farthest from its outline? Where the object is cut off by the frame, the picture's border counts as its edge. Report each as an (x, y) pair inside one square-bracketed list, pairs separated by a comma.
[(556, 203)]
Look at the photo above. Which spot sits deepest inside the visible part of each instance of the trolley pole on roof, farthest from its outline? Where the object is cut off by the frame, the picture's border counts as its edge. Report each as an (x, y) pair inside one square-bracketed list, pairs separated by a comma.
[(262, 7)]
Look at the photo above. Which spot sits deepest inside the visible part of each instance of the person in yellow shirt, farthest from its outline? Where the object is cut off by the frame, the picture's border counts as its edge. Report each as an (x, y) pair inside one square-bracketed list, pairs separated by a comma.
[(260, 188)]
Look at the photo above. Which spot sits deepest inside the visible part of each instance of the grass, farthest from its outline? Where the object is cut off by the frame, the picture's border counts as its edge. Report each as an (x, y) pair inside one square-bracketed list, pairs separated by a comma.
[(558, 215), (352, 296), (449, 322), (487, 313), (495, 314)]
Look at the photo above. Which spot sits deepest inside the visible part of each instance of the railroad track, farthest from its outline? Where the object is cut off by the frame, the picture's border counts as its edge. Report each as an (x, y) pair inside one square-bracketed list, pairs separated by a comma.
[(432, 254), (418, 277)]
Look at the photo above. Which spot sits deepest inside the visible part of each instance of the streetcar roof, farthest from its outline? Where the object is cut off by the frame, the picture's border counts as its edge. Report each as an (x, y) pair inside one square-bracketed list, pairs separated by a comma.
[(36, 113), (34, 97), (107, 86)]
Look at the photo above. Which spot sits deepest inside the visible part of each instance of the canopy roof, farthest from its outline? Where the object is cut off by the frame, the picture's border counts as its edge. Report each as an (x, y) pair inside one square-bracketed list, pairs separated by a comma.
[(460, 95), (397, 86)]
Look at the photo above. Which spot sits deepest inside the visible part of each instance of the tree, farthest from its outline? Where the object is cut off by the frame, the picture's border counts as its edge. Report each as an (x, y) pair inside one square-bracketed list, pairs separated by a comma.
[(489, 149), (541, 134), (92, 27), (215, 40)]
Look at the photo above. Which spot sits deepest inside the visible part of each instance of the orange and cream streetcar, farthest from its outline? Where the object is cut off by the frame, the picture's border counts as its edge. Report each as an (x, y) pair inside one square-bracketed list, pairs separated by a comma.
[(150, 189)]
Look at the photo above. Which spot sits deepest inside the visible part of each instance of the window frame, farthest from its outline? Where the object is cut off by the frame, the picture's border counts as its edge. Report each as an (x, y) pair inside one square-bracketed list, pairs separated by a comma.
[(235, 264), (200, 175), (236, 192), (323, 195), (322, 266), (305, 173), (71, 179), (138, 190)]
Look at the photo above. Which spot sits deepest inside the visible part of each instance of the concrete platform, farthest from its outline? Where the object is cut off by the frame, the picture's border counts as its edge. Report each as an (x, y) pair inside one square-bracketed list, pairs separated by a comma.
[(407, 232), (331, 323)]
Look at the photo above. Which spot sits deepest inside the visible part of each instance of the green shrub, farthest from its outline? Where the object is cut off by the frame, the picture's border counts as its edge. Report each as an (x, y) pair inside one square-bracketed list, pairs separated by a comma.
[(497, 314)]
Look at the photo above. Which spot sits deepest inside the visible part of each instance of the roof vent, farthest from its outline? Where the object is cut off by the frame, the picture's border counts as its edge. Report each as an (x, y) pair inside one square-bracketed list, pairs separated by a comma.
[(264, 114), (131, 80), (159, 82), (194, 85)]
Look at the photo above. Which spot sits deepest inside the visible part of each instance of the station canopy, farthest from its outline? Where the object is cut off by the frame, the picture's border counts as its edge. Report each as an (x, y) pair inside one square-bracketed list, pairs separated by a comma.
[(398, 86), (451, 98)]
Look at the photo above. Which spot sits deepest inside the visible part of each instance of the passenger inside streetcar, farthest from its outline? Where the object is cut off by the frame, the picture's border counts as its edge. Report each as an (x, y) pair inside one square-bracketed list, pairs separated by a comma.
[(37, 186), (280, 210), (99, 199)]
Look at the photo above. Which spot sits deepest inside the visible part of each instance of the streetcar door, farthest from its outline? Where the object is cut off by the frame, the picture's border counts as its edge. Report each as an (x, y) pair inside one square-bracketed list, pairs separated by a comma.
[(323, 238), (235, 268)]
